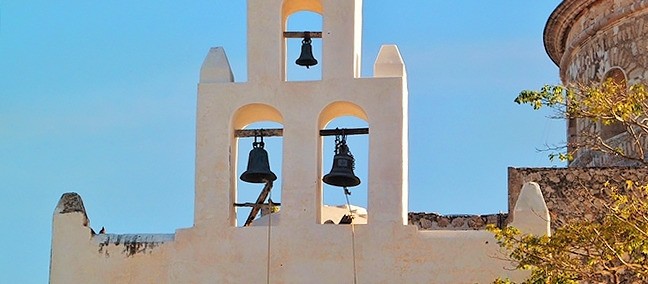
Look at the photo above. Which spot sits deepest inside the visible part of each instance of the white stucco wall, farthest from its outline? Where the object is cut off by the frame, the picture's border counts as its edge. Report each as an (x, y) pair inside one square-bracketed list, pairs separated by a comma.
[(300, 249), (314, 253)]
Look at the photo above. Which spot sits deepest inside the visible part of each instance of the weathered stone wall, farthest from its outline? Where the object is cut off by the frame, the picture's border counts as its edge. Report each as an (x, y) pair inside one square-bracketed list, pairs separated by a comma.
[(434, 221), (569, 192), (589, 158), (618, 39), (589, 38)]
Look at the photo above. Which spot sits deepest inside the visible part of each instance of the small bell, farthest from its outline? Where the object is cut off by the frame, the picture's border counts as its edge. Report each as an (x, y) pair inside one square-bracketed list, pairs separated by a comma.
[(258, 167), (342, 171), (306, 57)]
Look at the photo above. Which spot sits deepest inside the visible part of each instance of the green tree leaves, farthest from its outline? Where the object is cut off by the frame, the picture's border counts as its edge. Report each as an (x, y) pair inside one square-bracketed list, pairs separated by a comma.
[(609, 249), (602, 105), (612, 246)]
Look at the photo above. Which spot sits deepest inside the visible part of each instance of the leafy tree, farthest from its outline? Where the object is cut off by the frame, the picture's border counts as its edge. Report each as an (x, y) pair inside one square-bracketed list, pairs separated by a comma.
[(610, 246), (607, 104), (610, 249)]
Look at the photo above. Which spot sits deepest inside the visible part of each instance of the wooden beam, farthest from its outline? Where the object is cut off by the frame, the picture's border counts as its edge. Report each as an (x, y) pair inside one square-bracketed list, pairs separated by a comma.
[(273, 132), (260, 200), (345, 131), (303, 34), (257, 132), (250, 204)]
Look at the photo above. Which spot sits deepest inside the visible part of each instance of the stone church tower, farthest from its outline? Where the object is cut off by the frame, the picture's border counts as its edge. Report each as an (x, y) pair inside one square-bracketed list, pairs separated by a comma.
[(591, 41)]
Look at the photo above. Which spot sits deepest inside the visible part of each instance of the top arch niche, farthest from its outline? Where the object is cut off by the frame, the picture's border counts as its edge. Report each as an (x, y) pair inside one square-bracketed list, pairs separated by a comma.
[(290, 7)]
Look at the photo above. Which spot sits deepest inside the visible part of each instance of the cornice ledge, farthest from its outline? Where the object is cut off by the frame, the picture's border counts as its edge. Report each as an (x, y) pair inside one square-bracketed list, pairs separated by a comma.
[(559, 24)]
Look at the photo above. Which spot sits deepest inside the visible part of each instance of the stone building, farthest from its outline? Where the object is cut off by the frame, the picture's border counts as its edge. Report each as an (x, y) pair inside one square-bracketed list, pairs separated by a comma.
[(589, 40)]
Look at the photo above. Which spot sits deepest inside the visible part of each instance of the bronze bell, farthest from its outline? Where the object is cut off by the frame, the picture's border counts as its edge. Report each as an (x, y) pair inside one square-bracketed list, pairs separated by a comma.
[(342, 171), (258, 167), (306, 57)]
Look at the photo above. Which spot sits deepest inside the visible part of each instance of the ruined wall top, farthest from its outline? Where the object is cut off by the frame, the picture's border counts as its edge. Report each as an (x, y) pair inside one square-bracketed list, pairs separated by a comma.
[(572, 193)]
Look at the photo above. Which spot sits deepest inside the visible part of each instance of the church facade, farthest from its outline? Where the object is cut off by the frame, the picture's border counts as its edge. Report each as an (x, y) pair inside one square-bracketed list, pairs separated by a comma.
[(304, 242)]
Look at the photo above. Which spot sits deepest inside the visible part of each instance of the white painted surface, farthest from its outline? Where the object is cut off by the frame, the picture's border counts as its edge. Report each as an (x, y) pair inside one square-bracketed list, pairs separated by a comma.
[(216, 67), (302, 250), (531, 212)]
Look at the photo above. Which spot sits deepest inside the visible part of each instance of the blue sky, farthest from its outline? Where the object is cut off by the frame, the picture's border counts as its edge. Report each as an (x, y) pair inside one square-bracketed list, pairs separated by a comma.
[(99, 98)]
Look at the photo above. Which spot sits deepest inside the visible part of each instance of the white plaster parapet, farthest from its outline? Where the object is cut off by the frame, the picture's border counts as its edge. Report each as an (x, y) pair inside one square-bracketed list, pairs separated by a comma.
[(389, 62), (216, 67), (530, 214)]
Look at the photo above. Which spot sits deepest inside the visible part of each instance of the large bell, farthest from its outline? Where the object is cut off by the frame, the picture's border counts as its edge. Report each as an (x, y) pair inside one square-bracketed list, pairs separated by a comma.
[(342, 171), (306, 57), (258, 167)]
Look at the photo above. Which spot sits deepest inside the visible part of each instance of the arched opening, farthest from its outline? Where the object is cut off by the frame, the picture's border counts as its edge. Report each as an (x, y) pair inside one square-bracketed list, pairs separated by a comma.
[(334, 200), (300, 22), (252, 201), (248, 193), (613, 128), (291, 6), (617, 76)]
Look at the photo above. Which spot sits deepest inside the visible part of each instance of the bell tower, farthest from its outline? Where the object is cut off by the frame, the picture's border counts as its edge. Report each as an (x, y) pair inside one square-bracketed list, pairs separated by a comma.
[(304, 109), (300, 245), (267, 35)]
